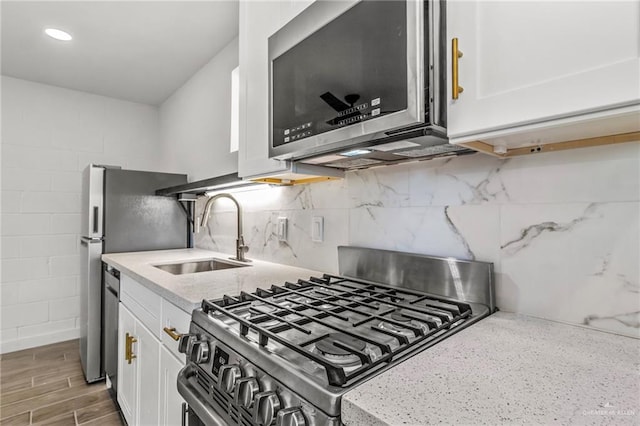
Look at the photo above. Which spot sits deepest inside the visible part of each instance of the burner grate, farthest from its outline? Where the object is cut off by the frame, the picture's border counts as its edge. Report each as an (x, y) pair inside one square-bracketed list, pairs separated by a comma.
[(348, 307)]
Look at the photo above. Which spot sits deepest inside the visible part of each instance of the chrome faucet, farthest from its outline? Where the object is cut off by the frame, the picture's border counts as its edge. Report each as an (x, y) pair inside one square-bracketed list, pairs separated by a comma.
[(241, 248)]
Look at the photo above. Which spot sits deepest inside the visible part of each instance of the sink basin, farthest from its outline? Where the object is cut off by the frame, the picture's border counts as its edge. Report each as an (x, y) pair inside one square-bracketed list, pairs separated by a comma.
[(199, 266)]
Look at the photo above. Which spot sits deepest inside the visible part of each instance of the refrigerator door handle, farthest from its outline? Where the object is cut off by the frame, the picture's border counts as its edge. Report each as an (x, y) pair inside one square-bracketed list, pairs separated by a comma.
[(96, 215)]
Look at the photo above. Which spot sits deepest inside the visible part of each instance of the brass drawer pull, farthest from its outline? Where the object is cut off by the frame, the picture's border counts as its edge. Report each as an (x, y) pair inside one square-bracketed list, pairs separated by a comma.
[(128, 352), (172, 333), (456, 54)]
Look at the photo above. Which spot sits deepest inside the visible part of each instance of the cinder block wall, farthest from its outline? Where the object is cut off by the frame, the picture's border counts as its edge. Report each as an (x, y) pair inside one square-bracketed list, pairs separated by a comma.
[(49, 135)]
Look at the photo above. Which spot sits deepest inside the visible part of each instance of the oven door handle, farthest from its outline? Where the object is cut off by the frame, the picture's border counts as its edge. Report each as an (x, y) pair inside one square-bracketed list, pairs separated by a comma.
[(205, 412)]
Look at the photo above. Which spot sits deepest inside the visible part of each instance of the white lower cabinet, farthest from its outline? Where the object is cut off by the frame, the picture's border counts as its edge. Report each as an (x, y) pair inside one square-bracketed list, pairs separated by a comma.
[(170, 400), (148, 367), (148, 390), (127, 371), (138, 366)]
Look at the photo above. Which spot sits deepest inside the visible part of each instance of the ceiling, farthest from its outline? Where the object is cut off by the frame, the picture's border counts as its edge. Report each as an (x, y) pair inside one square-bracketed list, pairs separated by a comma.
[(141, 51)]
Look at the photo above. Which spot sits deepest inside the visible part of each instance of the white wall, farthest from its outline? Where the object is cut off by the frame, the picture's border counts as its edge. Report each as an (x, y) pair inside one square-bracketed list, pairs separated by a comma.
[(562, 229), (49, 135), (195, 121)]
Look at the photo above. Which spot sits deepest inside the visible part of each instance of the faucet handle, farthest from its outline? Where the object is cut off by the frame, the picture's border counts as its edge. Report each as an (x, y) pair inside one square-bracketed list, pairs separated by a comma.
[(241, 249), (241, 245)]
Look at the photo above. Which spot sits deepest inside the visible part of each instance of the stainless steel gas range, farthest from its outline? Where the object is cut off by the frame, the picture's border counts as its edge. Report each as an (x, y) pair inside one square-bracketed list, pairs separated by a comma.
[(285, 355)]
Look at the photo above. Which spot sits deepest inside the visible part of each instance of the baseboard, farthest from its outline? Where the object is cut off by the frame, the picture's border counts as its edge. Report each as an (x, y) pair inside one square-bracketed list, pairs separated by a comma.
[(35, 341)]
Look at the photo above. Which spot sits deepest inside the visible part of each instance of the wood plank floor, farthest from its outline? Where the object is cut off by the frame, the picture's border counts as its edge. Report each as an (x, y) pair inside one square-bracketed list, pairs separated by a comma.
[(45, 386)]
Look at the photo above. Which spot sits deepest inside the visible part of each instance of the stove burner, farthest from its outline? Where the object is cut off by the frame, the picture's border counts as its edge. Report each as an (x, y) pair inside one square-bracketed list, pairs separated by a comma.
[(326, 346), (263, 308), (299, 299), (258, 308), (324, 292), (398, 316), (404, 331)]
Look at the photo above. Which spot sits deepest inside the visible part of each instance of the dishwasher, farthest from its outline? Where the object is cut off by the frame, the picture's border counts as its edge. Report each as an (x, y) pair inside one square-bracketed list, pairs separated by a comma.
[(110, 300)]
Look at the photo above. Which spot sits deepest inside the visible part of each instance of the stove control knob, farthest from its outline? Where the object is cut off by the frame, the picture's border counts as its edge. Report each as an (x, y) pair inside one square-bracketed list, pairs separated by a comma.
[(186, 343), (290, 417), (227, 377), (246, 389), (266, 406), (199, 352)]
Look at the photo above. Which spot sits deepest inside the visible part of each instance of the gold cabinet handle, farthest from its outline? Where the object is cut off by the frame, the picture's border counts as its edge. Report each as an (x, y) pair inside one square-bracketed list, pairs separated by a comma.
[(172, 333), (128, 352), (126, 348), (131, 354), (456, 54)]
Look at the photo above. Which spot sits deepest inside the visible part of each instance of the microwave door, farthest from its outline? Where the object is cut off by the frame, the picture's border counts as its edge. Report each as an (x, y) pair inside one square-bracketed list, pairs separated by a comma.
[(340, 77)]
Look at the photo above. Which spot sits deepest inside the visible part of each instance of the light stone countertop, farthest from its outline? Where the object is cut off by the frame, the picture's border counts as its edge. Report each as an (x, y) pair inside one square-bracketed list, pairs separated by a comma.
[(508, 369), (187, 291)]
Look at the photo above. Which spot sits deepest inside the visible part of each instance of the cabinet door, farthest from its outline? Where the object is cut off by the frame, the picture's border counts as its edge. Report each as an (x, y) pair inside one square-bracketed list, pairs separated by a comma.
[(127, 372), (258, 21), (170, 399), (530, 61), (147, 351)]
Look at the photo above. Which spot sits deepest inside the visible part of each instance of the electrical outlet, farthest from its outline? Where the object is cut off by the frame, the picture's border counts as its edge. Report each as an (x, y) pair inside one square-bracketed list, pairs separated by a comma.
[(282, 229), (317, 229)]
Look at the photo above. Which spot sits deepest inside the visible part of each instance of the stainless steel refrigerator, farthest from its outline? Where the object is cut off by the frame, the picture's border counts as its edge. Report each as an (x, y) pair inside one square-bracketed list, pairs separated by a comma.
[(120, 213)]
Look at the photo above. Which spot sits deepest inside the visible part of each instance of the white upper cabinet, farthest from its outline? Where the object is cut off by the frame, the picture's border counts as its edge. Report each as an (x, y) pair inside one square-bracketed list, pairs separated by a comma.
[(258, 21), (532, 62)]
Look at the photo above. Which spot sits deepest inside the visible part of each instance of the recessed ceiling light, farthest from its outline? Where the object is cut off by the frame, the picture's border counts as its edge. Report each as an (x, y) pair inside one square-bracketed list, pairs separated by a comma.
[(58, 34)]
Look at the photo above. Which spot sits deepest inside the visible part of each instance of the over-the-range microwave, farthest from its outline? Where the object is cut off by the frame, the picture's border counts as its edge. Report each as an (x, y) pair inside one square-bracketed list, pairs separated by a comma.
[(357, 84)]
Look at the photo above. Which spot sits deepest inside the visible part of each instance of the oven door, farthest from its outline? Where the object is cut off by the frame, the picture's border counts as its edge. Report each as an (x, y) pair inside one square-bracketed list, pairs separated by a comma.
[(199, 411), (344, 72)]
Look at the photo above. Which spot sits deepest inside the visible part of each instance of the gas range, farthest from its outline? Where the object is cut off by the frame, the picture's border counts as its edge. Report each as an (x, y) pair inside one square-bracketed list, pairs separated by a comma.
[(287, 354)]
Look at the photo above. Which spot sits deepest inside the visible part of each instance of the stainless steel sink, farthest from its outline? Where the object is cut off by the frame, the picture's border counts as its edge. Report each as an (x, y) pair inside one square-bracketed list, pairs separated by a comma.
[(199, 266)]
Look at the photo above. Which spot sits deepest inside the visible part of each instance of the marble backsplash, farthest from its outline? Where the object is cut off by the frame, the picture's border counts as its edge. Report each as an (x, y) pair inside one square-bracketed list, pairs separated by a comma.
[(562, 229)]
